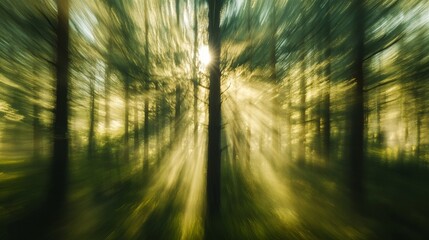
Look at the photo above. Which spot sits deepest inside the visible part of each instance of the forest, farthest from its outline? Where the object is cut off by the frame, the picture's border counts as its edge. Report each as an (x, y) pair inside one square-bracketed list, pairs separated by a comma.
[(214, 119)]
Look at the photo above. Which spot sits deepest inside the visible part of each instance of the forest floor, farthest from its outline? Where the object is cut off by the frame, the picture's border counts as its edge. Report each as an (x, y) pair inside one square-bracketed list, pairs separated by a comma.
[(258, 202)]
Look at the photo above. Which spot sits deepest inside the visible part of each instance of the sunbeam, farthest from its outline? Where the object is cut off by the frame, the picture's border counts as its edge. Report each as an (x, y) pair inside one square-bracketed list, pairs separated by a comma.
[(191, 119)]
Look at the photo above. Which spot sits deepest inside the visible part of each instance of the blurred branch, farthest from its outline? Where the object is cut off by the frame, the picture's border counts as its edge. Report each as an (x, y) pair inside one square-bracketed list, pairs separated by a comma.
[(47, 19), (380, 85), (199, 84), (385, 47)]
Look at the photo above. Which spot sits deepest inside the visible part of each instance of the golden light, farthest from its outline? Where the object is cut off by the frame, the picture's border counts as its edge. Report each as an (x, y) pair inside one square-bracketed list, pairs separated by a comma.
[(204, 55)]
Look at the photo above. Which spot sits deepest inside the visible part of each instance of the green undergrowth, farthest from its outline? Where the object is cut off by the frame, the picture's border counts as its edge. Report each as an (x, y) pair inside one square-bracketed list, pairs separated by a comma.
[(310, 202)]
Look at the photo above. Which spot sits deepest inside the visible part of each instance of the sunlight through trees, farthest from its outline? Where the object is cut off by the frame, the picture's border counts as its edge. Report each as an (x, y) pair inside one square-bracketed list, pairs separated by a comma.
[(214, 119)]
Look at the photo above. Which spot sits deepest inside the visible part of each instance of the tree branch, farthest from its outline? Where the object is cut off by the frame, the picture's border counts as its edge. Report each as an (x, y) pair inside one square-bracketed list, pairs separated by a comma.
[(385, 47)]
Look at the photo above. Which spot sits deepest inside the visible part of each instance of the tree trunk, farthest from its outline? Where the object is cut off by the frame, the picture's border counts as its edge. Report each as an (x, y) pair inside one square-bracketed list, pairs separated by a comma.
[(276, 98), (249, 33), (214, 127), (326, 116), (419, 114), (302, 119), (158, 123), (36, 120), (146, 136), (91, 133), (146, 101), (107, 105), (357, 111), (289, 118), (194, 74), (126, 120), (59, 171), (178, 110), (136, 124)]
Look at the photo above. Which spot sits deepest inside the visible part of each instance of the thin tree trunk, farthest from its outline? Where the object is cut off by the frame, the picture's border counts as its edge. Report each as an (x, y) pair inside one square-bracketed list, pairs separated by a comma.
[(158, 123), (178, 110), (249, 32), (136, 124), (146, 101), (379, 134), (126, 120), (194, 74), (327, 96), (419, 115), (276, 99), (91, 133), (36, 120), (107, 105), (327, 121), (302, 117), (378, 115), (146, 136), (289, 118)]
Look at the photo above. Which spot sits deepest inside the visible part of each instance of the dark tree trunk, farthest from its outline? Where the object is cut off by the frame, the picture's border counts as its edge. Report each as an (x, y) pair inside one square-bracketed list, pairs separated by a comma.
[(249, 32), (194, 74), (126, 120), (36, 120), (178, 109), (357, 118), (59, 171), (91, 133), (146, 101), (158, 123), (276, 98), (327, 122), (303, 95), (419, 114), (302, 107), (378, 106), (107, 105), (214, 127), (146, 136), (379, 138), (136, 124), (289, 118), (317, 118), (326, 116)]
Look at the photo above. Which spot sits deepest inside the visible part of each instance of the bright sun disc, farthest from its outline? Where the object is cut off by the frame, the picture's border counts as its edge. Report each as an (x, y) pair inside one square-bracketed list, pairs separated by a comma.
[(204, 55)]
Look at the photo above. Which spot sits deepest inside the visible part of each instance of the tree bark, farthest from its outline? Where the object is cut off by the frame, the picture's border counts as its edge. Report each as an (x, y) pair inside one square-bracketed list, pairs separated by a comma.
[(214, 127), (146, 136), (146, 101), (357, 117), (59, 171), (302, 116), (126, 120), (91, 133), (36, 120), (194, 74), (326, 116), (276, 98), (107, 105), (136, 124), (178, 110)]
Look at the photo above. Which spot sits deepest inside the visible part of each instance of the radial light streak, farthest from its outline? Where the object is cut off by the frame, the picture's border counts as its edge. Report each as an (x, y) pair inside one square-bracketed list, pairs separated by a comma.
[(179, 182), (248, 120)]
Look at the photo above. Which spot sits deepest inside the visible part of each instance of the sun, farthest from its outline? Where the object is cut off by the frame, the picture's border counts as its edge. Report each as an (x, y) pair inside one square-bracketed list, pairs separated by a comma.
[(204, 55)]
